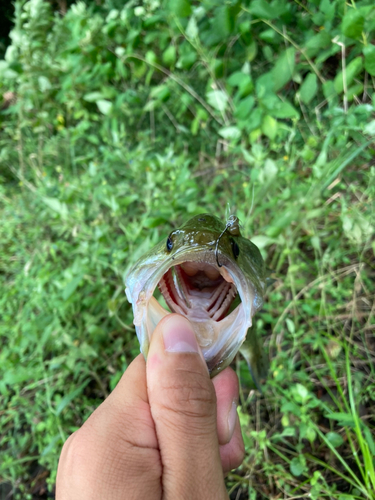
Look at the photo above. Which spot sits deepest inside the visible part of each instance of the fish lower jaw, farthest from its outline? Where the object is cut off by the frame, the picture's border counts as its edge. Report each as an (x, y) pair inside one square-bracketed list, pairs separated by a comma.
[(218, 340)]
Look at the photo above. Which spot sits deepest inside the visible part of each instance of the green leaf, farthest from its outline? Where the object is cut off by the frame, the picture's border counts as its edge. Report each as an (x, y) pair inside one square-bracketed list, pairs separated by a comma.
[(93, 96), (224, 20), (352, 24), (151, 105), (352, 70), (369, 439), (268, 53), (288, 431), (283, 70), (308, 88), (328, 89), (310, 434), (268, 172), (238, 78), (342, 418), (370, 128), (264, 86), (218, 100), (251, 50), (56, 205), (243, 107), (269, 127), (192, 28), (104, 106), (327, 7), (255, 119), (317, 42), (151, 57), (285, 110), (51, 445), (354, 90), (263, 10), (69, 397), (217, 67), (242, 81), (6, 72), (187, 60), (169, 56), (151, 222), (291, 326), (262, 241), (71, 287), (301, 393), (355, 152), (180, 8), (230, 133), (269, 36), (44, 83), (297, 467), (160, 92), (369, 53), (335, 439)]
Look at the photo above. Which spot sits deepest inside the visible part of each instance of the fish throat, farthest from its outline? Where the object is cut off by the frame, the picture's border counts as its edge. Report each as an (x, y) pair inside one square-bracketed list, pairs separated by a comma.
[(197, 291)]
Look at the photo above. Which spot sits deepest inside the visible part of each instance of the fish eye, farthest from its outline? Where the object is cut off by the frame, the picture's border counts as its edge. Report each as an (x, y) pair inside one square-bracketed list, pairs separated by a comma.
[(169, 243), (235, 249)]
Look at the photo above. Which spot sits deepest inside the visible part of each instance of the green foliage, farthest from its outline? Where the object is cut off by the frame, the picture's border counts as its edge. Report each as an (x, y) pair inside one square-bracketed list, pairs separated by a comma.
[(309, 88), (127, 120)]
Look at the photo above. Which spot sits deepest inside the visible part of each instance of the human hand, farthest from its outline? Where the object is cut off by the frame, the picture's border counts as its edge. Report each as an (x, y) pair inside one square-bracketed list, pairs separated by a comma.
[(166, 431)]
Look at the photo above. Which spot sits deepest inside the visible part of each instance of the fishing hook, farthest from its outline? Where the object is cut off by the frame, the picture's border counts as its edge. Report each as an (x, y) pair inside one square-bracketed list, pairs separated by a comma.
[(217, 245), (232, 222)]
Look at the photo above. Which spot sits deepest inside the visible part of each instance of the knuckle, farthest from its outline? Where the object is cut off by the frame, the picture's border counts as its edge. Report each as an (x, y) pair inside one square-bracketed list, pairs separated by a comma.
[(77, 447), (189, 394)]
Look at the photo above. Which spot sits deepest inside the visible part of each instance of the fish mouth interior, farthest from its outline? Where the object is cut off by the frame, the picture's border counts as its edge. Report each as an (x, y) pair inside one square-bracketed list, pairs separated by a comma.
[(198, 291), (215, 299)]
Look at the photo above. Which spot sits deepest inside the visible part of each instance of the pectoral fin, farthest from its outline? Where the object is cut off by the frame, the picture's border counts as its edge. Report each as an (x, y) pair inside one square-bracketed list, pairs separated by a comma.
[(255, 357)]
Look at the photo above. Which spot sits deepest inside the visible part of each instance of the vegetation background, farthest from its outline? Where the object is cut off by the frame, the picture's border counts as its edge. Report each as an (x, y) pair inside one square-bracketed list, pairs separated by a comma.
[(121, 119)]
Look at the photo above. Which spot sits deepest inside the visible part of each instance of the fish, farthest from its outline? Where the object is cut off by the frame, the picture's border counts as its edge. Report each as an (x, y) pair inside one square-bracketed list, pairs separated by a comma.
[(208, 272)]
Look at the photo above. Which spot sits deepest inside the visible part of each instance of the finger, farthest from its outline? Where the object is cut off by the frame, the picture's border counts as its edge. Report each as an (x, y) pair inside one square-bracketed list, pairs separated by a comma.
[(183, 406), (233, 453), (114, 455), (226, 388)]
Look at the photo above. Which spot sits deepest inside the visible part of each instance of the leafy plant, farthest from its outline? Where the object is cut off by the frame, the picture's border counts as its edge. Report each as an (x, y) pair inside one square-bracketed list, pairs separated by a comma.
[(127, 119)]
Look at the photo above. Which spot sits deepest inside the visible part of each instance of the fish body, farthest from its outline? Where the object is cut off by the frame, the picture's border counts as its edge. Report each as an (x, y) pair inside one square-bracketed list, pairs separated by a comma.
[(202, 269)]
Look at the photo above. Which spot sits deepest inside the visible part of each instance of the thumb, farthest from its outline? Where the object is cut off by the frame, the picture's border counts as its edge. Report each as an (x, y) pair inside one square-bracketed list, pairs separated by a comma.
[(183, 406)]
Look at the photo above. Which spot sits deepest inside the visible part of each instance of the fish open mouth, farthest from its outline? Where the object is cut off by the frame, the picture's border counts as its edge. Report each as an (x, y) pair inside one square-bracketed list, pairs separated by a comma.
[(198, 291), (207, 272), (214, 299), (217, 300)]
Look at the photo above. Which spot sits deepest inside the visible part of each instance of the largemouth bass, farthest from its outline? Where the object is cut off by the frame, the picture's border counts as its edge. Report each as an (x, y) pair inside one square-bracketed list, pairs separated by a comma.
[(213, 276)]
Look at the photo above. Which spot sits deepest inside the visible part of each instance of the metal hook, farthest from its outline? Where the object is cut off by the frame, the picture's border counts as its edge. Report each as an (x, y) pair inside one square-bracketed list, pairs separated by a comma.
[(217, 245), (233, 223)]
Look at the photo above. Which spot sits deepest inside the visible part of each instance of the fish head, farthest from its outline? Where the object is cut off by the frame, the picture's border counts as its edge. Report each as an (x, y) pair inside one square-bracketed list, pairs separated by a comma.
[(207, 272)]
